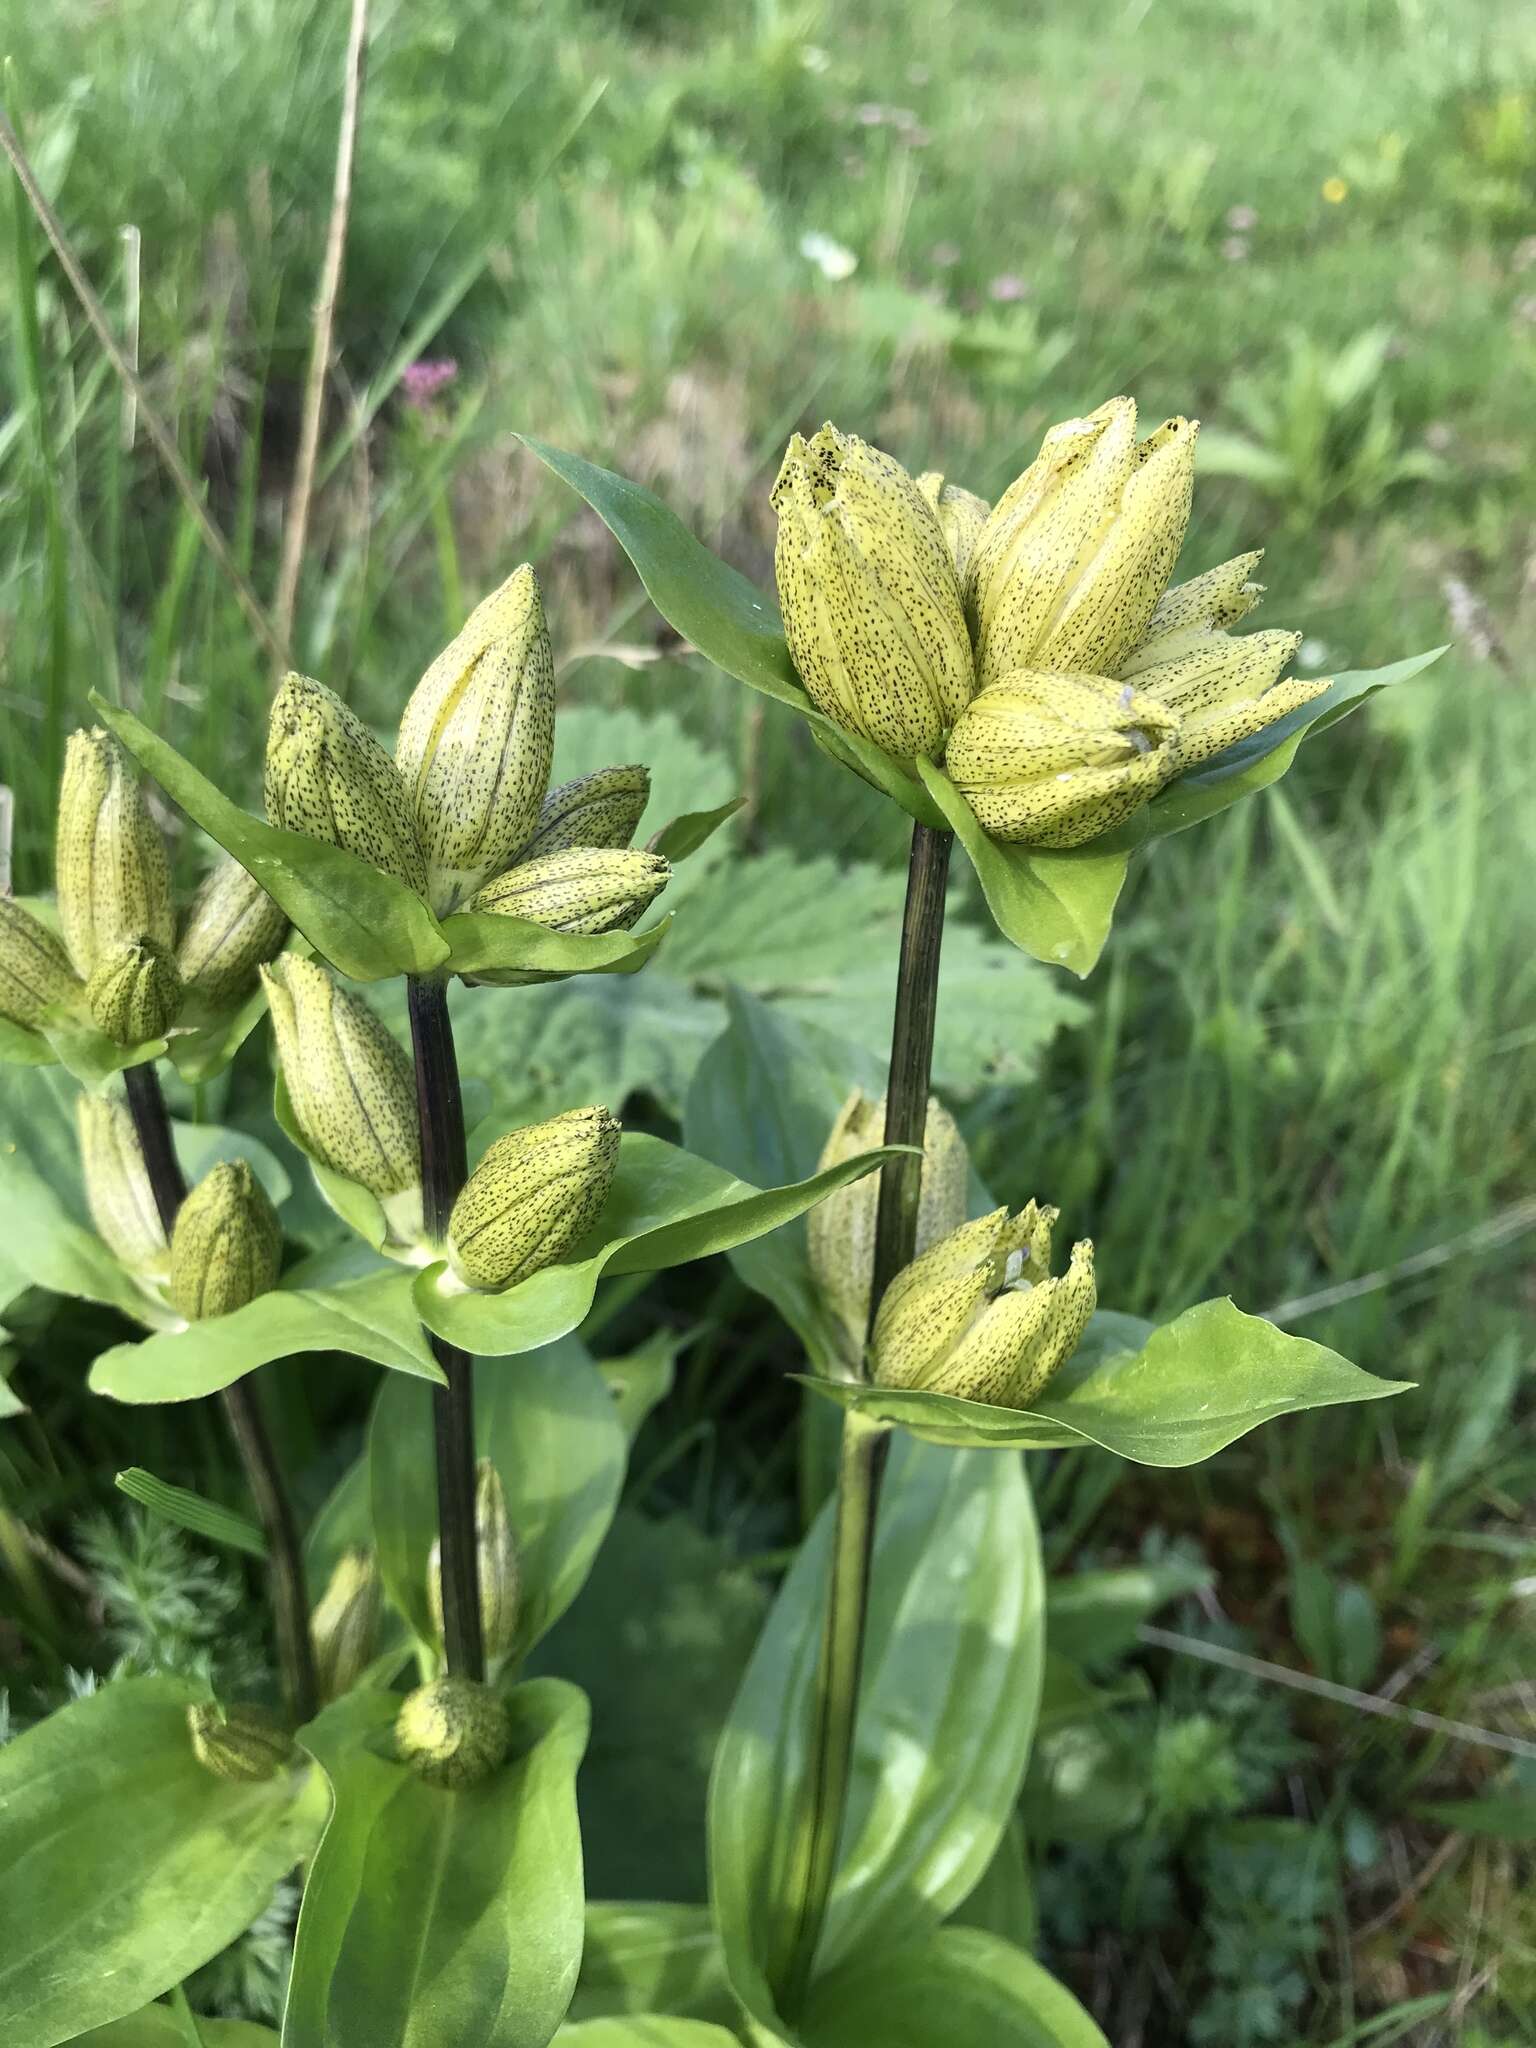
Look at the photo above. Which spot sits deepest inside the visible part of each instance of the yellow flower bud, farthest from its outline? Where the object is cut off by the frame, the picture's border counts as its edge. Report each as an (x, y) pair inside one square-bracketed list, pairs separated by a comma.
[(345, 1622), (1223, 690), (111, 870), (586, 889), (227, 1246), (244, 1743), (453, 1732), (1055, 760), (871, 602), (350, 1082), (497, 1567), (536, 1193), (477, 738), (601, 809), (1074, 556), (841, 1230), (117, 1189), (34, 968), (979, 1317), (134, 992), (328, 777), (961, 516), (232, 927)]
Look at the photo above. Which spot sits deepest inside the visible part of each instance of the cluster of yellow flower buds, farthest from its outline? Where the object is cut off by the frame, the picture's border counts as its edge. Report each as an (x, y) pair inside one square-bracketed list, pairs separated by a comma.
[(978, 1314), (1034, 647), (460, 814), (121, 962)]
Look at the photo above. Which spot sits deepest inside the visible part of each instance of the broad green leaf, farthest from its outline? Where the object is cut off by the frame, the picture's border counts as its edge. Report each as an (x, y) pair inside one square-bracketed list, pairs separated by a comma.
[(684, 835), (205, 1041), (1256, 762), (1198, 1384), (1057, 906), (372, 1318), (952, 1677), (481, 942), (547, 1422), (1003, 1900), (21, 1046), (158, 2026), (93, 1058), (127, 1864), (717, 610), (642, 1379), (1093, 1616), (364, 922), (184, 1509), (666, 1207), (645, 2030), (652, 1958), (432, 1916), (960, 1986)]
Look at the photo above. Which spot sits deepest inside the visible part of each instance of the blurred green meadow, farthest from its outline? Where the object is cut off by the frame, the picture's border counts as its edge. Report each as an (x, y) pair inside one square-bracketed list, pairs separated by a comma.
[(666, 234)]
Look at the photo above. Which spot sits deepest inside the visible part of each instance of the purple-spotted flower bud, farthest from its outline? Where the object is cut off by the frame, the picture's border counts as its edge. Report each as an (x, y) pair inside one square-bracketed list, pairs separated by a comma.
[(961, 516), (600, 809), (110, 867), (243, 1743), (497, 1568), (232, 927), (587, 889), (134, 991), (536, 1193), (454, 1733), (345, 1623), (227, 1247), (117, 1189), (35, 973), (328, 778)]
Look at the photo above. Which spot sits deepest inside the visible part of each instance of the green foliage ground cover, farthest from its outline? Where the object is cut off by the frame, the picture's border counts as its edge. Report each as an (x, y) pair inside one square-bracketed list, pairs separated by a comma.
[(665, 234)]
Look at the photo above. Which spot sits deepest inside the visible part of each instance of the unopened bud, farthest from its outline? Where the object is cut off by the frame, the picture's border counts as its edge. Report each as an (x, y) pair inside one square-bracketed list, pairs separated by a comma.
[(841, 1229), (600, 809), (536, 1193), (349, 1080), (1074, 556), (586, 889), (244, 1743), (497, 1568), (117, 1189), (961, 516), (232, 927), (871, 601), (1056, 760), (134, 992), (477, 738), (328, 777), (227, 1246), (345, 1623), (111, 870), (978, 1315), (454, 1733), (34, 968)]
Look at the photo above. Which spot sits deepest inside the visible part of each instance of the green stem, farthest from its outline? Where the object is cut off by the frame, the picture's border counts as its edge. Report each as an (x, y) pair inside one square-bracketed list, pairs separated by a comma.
[(866, 1445), (247, 1426), (444, 1170)]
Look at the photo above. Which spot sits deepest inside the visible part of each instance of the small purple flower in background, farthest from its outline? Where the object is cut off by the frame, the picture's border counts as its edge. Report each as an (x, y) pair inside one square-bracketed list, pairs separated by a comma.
[(1007, 289), (421, 381), (1242, 220)]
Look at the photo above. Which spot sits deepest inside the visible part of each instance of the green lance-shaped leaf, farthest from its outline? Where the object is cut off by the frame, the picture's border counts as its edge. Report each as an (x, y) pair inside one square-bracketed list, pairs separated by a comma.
[(960, 1985), (434, 1915), (161, 2026), (953, 1662), (1182, 1394), (128, 1864)]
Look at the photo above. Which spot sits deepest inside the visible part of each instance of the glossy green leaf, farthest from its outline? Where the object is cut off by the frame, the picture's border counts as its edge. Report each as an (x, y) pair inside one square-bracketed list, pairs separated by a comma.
[(91, 1056), (184, 1509), (548, 1424), (159, 2026), (1057, 906), (645, 2030), (1198, 1384), (21, 1046), (432, 1916), (642, 1379), (952, 1676), (665, 1208), (960, 1986), (364, 922), (652, 1958), (482, 942), (1263, 758), (372, 1318), (684, 835), (1003, 1899), (128, 1865)]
